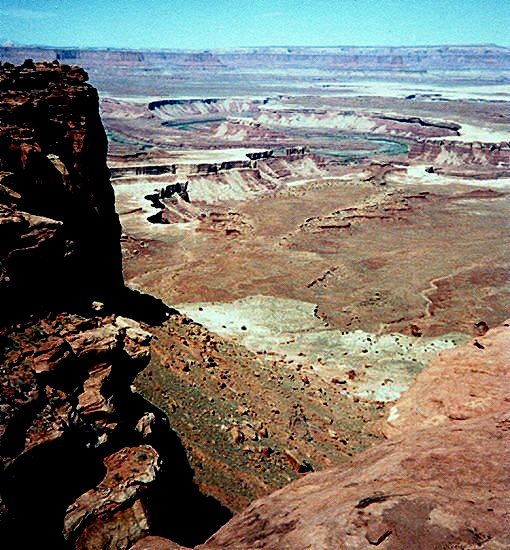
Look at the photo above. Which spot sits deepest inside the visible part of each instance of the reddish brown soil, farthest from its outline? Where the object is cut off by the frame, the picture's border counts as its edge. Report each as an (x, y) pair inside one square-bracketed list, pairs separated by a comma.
[(371, 257), (249, 423)]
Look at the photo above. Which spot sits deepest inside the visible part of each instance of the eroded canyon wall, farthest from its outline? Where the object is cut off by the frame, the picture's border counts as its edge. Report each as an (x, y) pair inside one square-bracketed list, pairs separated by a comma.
[(85, 462), (415, 58), (457, 157), (69, 421), (59, 232)]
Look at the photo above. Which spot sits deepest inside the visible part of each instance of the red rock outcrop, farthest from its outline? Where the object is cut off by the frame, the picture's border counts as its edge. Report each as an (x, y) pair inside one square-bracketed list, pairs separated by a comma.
[(84, 460), (115, 502), (66, 405), (463, 384), (59, 231), (441, 481), (460, 158), (156, 543)]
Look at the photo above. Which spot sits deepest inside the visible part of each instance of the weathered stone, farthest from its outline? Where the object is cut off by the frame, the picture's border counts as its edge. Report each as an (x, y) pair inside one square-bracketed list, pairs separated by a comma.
[(53, 171), (441, 481), (60, 397), (237, 435), (463, 383), (96, 342), (156, 543), (51, 354), (136, 340), (111, 515)]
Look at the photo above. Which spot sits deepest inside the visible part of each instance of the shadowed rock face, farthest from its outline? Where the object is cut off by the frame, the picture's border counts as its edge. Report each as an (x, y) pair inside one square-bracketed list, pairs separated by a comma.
[(66, 381), (440, 482), (66, 407), (84, 461), (59, 231)]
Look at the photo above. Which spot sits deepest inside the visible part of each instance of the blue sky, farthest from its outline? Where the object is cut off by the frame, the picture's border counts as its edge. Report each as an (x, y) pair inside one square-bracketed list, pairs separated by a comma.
[(208, 24)]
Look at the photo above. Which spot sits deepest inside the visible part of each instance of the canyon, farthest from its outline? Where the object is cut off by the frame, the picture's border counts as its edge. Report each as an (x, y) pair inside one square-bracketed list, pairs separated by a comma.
[(274, 285)]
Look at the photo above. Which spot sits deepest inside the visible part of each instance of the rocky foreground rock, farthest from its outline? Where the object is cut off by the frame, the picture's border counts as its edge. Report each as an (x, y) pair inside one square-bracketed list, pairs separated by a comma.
[(66, 408), (88, 463), (440, 481)]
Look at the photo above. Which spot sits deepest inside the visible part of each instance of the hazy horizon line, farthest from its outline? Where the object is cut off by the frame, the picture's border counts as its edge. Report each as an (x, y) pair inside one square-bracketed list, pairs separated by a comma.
[(5, 44)]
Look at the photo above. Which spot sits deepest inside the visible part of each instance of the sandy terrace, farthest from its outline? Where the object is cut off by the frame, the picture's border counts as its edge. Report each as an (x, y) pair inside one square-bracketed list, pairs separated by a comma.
[(378, 367)]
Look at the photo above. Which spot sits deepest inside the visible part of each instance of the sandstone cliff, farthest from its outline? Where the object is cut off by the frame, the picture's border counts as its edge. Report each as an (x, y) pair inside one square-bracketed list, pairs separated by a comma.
[(84, 460), (59, 232), (65, 401)]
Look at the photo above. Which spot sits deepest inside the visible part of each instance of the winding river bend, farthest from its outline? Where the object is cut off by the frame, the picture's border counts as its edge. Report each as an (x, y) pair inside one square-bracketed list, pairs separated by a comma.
[(200, 115), (368, 146)]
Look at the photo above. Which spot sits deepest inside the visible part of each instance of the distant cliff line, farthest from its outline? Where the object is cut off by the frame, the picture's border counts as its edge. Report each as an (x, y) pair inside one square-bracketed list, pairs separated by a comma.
[(375, 58)]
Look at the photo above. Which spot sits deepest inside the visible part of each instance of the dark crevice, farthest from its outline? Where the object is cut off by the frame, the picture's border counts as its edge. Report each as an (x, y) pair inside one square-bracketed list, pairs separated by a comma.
[(142, 307), (39, 486), (176, 508)]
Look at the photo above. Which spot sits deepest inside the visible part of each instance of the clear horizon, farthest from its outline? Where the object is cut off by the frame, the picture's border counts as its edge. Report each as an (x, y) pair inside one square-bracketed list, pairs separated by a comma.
[(228, 24)]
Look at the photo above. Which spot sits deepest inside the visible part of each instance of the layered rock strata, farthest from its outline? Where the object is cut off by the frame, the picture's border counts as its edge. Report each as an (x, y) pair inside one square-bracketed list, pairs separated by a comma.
[(59, 232), (67, 406), (86, 462), (460, 158), (414, 58), (78, 448)]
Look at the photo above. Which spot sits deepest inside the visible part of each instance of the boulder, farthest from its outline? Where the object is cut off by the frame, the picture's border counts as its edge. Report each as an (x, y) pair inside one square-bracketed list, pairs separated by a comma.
[(112, 515)]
